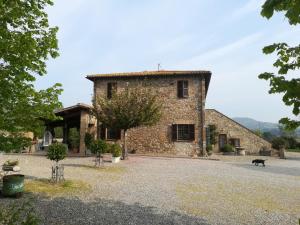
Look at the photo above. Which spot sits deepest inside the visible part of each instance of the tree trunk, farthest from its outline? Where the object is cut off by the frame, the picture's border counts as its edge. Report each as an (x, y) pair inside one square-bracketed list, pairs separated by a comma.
[(282, 153), (124, 150)]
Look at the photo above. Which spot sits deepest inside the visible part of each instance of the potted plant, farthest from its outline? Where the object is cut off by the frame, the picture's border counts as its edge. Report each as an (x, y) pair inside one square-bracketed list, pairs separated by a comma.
[(209, 149), (228, 149), (98, 147), (116, 151), (57, 152)]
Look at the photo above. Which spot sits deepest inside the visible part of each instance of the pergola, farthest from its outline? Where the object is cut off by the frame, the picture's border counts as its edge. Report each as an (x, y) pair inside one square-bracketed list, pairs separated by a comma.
[(77, 116)]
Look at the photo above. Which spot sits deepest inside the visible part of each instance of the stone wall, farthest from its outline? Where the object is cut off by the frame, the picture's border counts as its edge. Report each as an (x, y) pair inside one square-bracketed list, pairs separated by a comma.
[(157, 138), (224, 125)]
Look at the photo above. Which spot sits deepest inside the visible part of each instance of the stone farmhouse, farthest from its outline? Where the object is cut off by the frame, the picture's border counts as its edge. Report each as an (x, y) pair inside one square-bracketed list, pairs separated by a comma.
[(182, 129)]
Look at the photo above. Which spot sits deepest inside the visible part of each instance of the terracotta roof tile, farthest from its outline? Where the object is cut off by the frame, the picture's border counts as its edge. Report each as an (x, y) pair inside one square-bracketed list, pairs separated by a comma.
[(149, 74)]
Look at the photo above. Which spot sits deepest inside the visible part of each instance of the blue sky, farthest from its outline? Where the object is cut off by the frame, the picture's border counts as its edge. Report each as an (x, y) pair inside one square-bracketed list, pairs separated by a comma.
[(225, 37)]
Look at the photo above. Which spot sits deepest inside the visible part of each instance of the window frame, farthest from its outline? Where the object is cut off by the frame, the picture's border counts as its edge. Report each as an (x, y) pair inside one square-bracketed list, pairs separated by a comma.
[(105, 131), (176, 136), (182, 88)]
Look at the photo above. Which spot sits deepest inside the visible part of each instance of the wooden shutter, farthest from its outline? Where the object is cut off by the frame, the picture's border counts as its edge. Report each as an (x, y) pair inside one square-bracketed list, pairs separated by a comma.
[(180, 89), (174, 132), (192, 131), (185, 88)]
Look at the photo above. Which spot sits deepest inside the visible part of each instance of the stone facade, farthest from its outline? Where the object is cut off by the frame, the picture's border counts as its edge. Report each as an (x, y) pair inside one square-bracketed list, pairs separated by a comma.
[(226, 126), (190, 110)]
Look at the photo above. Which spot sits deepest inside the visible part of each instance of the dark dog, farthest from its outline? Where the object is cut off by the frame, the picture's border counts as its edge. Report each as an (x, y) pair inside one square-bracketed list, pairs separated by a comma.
[(258, 161)]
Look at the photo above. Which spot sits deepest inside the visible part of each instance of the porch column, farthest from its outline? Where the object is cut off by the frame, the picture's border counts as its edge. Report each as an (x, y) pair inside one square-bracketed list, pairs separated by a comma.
[(82, 130)]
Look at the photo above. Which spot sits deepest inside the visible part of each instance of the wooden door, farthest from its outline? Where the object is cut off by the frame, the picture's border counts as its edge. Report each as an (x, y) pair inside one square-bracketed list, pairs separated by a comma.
[(222, 140)]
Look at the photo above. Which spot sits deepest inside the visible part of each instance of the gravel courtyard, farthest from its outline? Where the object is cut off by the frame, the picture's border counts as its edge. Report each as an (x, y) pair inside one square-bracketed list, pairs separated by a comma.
[(153, 190)]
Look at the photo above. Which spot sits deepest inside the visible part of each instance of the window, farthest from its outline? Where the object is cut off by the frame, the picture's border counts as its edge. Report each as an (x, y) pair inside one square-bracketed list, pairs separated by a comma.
[(182, 89), (111, 89), (234, 142), (183, 132), (110, 133)]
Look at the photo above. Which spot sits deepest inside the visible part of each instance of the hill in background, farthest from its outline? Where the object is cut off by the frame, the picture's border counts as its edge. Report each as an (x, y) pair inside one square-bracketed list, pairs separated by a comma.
[(253, 124)]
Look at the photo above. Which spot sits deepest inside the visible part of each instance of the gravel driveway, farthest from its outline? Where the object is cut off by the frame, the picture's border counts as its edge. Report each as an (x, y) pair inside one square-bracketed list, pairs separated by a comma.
[(153, 190)]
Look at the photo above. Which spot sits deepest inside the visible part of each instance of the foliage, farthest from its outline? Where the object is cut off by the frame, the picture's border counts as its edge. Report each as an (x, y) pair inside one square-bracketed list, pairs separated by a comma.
[(99, 147), (227, 148), (133, 107), (291, 142), (279, 143), (88, 140), (209, 148), (18, 214), (115, 150), (258, 133), (212, 134), (13, 142), (57, 152), (288, 60), (74, 138), (26, 42)]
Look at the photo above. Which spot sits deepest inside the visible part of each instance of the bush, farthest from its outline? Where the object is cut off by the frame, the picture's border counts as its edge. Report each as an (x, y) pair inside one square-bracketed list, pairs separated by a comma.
[(209, 148), (115, 150), (74, 138), (88, 140), (99, 147), (227, 148), (57, 152), (279, 143)]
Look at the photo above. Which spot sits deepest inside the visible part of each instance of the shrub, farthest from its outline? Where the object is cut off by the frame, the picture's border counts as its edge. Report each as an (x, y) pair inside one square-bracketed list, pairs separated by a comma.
[(98, 147), (279, 143), (115, 150), (209, 148), (227, 148), (88, 140), (57, 152), (74, 138)]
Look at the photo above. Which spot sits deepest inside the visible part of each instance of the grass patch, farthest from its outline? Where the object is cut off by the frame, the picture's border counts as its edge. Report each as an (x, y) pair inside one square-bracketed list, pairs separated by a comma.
[(106, 169), (294, 150), (46, 187)]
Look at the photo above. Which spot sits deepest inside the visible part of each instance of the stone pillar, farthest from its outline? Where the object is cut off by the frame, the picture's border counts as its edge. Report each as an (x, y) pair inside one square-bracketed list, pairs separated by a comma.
[(84, 120)]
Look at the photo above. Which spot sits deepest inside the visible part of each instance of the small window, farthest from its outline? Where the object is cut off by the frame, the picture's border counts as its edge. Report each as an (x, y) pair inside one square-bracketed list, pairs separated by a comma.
[(183, 89), (111, 89), (110, 133), (234, 142), (183, 132), (113, 134)]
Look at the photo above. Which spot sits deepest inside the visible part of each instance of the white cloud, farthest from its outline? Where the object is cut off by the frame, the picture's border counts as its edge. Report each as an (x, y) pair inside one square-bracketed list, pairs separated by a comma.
[(249, 7), (214, 54)]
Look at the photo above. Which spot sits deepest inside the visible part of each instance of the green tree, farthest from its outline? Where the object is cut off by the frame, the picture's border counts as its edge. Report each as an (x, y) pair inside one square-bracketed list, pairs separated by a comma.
[(133, 107), (288, 60), (26, 42), (98, 147)]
